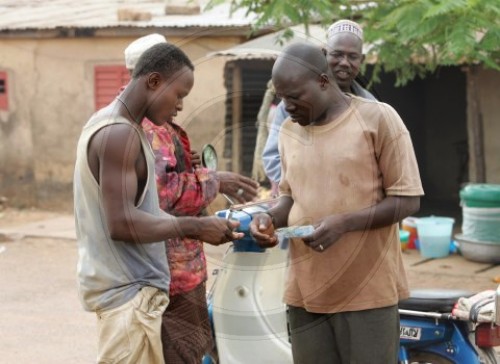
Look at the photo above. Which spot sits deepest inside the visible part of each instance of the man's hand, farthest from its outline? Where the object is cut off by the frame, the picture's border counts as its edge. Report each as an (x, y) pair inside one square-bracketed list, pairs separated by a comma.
[(388, 211), (262, 229), (195, 158), (216, 230), (326, 233), (238, 187)]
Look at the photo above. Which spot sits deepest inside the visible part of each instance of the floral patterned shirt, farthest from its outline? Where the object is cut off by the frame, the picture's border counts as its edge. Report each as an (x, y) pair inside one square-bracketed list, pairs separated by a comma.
[(183, 191)]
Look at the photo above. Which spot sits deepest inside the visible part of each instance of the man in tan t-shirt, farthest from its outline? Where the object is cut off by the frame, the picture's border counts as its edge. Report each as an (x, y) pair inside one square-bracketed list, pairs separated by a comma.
[(348, 168)]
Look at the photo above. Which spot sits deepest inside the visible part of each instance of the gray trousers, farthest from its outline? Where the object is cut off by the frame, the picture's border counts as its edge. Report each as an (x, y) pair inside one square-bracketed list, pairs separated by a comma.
[(358, 337)]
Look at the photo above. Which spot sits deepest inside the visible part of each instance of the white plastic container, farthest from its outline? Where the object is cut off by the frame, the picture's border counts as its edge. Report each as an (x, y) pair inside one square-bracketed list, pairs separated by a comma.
[(481, 224), (434, 234)]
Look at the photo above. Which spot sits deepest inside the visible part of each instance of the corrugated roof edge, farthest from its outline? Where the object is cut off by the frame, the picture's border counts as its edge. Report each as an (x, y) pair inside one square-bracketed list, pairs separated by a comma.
[(134, 31), (93, 18)]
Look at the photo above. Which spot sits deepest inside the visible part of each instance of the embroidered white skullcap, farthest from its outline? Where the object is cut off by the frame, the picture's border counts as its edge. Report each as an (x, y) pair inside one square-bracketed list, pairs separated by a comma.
[(345, 26), (139, 46)]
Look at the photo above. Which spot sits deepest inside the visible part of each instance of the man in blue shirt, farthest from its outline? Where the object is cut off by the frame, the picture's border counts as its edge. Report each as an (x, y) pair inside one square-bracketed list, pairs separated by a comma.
[(345, 56)]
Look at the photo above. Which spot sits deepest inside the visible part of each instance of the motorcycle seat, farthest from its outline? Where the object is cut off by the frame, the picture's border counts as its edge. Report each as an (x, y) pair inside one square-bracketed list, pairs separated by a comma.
[(433, 300)]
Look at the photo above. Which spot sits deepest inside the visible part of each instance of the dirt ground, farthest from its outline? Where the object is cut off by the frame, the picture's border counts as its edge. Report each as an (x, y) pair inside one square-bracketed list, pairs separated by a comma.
[(41, 318), (10, 217), (42, 321)]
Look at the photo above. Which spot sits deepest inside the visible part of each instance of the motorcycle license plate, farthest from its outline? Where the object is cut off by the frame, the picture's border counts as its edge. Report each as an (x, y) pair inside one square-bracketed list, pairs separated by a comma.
[(410, 333)]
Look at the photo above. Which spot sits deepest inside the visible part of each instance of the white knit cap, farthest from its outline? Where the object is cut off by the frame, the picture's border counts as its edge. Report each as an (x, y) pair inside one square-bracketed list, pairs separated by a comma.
[(139, 46), (345, 26)]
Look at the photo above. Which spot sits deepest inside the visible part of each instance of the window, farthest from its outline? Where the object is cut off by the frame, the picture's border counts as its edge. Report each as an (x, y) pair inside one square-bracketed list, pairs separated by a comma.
[(4, 95), (108, 81)]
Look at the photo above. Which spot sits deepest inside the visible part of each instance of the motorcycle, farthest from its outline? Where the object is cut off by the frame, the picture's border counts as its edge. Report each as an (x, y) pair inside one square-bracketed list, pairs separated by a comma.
[(430, 331), (250, 320)]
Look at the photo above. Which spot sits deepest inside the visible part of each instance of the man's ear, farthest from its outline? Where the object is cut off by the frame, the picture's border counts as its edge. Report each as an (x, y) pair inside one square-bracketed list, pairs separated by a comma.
[(153, 80), (362, 59), (324, 80)]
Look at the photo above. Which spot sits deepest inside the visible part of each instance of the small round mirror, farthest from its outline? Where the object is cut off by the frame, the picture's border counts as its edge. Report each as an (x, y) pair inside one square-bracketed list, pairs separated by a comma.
[(209, 157)]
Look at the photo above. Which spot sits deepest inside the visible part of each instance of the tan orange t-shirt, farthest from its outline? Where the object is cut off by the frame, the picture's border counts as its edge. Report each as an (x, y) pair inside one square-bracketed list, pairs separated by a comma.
[(350, 164)]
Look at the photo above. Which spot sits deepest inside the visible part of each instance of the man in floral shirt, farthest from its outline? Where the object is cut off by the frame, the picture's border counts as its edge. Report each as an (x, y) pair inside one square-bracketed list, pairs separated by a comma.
[(185, 189)]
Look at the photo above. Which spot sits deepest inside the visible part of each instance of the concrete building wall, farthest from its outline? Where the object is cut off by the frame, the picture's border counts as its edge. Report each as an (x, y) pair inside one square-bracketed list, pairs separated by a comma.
[(51, 87), (16, 142)]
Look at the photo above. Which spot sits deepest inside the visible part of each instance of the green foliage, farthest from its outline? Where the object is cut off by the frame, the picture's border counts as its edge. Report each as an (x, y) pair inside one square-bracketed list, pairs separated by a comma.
[(284, 13), (437, 32), (408, 37)]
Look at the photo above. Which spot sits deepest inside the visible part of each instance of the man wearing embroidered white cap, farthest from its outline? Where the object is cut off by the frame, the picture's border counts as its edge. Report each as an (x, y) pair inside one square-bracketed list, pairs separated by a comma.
[(135, 49), (345, 57), (185, 189)]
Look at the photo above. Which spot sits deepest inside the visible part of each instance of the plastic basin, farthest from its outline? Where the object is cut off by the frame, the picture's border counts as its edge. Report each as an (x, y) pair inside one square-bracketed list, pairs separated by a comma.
[(434, 234), (478, 251)]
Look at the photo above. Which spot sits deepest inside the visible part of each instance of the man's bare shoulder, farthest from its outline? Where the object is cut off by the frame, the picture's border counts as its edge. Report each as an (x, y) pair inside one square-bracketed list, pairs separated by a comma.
[(113, 132), (105, 120)]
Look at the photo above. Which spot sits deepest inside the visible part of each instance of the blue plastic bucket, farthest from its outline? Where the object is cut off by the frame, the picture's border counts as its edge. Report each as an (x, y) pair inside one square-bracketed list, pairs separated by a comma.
[(434, 234)]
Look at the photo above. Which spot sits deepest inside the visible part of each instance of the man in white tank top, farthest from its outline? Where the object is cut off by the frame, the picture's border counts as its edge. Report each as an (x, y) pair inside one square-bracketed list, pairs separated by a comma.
[(122, 269)]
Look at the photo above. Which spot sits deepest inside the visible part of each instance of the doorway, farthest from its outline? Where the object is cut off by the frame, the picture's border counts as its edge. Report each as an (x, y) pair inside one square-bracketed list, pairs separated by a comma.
[(434, 111)]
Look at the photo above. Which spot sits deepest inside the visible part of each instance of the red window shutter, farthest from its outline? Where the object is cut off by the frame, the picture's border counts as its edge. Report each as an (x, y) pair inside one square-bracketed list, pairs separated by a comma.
[(108, 81), (4, 91)]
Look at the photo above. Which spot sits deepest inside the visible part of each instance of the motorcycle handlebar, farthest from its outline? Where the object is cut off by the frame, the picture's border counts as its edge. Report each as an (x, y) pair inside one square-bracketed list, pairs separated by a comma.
[(436, 315)]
